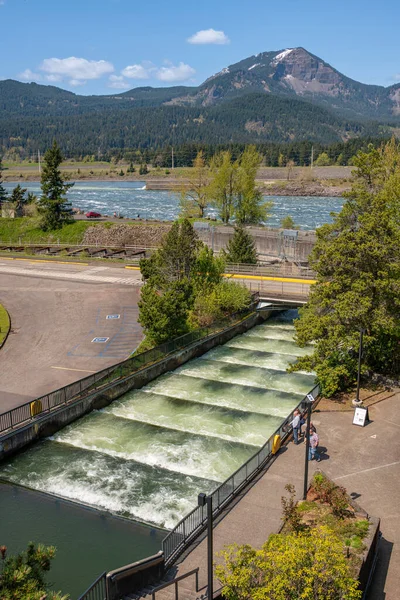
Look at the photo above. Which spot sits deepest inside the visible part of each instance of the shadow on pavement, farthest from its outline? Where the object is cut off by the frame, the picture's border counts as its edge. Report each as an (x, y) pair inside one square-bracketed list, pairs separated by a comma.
[(376, 590)]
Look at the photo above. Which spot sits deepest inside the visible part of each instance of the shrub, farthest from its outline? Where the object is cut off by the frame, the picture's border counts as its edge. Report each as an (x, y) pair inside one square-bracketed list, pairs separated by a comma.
[(291, 514)]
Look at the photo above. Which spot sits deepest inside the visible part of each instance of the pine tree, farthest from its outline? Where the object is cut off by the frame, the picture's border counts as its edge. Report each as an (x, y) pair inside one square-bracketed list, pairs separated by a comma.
[(241, 248), (357, 262), (3, 193), (17, 197), (53, 205)]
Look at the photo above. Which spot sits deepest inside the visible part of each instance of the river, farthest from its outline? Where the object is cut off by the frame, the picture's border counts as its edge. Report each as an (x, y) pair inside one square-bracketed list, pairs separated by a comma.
[(130, 199)]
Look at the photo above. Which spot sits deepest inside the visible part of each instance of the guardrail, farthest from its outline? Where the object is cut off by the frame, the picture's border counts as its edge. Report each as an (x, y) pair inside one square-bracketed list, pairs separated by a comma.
[(282, 269), (176, 581), (98, 589), (193, 523), (32, 410)]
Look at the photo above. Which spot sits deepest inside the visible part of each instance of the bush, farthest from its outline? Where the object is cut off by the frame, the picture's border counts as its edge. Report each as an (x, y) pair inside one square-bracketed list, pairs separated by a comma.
[(291, 514), (293, 566)]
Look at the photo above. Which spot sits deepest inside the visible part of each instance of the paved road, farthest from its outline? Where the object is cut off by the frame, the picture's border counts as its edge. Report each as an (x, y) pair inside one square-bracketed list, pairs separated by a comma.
[(366, 461), (56, 311), (57, 308)]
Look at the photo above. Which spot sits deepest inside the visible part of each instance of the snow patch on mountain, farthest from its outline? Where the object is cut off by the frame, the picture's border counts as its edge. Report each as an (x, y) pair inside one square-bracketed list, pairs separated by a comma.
[(281, 56), (253, 66)]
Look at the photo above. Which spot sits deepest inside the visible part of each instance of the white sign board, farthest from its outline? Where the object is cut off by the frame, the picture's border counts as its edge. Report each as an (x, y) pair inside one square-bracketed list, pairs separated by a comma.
[(360, 416)]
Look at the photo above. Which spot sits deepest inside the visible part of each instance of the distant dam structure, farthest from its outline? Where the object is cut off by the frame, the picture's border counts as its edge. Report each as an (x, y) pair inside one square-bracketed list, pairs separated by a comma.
[(148, 454)]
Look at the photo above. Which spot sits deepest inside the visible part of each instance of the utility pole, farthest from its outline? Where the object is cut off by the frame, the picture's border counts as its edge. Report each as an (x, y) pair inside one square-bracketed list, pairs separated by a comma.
[(172, 157), (312, 156)]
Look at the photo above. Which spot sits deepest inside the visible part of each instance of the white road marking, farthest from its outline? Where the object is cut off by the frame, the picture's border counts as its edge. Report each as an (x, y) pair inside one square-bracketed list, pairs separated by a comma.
[(82, 276), (68, 369), (368, 470)]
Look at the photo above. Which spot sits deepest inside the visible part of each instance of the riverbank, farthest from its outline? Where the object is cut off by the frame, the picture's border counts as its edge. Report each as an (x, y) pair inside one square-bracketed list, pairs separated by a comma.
[(274, 181)]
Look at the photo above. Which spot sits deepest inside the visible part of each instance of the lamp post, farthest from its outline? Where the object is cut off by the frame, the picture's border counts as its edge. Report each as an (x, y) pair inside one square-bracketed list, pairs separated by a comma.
[(203, 500), (362, 331), (309, 400)]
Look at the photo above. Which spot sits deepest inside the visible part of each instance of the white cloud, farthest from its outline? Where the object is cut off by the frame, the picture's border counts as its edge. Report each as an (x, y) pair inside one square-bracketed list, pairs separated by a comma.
[(396, 77), (209, 36), (137, 72), (76, 82), (29, 75), (181, 72), (77, 70), (117, 82)]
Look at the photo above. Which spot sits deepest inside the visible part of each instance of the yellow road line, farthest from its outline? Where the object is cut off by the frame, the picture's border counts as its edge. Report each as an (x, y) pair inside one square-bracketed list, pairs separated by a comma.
[(43, 260), (68, 369), (265, 278)]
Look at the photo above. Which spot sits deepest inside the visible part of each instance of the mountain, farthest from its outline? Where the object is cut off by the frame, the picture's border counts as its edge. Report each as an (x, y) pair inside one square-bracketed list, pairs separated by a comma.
[(297, 72), (284, 96)]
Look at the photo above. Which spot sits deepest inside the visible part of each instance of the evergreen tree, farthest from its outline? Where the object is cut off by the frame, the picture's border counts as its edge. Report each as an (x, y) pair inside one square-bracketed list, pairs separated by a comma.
[(357, 262), (17, 197), (3, 193), (143, 170), (22, 577), (241, 248), (53, 205)]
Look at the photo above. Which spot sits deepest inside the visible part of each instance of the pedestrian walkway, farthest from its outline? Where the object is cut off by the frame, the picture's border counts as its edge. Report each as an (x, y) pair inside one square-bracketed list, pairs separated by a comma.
[(366, 461)]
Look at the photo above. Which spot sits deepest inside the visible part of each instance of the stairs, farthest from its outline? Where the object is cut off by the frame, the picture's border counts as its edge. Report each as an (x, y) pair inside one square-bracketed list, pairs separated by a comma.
[(186, 590)]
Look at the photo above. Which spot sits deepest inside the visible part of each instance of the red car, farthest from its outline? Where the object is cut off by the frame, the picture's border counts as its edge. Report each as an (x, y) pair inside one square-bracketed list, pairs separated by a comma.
[(92, 215)]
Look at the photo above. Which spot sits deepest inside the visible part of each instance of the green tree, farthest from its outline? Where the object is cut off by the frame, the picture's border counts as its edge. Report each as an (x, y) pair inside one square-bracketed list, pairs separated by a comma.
[(323, 160), (310, 566), (218, 302), (357, 265), (3, 193), (194, 197), (208, 270), (223, 186), (241, 248), (22, 577), (18, 198), (288, 223), (163, 313), (143, 170), (250, 208), (53, 205)]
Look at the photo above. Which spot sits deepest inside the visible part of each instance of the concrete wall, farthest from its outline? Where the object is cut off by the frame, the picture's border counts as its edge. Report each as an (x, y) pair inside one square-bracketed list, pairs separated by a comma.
[(50, 423)]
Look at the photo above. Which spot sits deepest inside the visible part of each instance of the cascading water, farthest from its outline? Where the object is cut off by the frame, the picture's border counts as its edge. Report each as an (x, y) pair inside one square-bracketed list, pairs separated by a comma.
[(148, 454)]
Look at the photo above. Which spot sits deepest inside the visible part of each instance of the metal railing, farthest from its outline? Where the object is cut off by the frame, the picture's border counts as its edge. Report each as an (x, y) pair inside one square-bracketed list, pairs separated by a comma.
[(98, 589), (176, 581), (194, 523), (78, 390), (282, 269)]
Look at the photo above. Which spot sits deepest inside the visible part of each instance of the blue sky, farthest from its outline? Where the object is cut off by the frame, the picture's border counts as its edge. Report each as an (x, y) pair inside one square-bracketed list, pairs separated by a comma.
[(105, 46)]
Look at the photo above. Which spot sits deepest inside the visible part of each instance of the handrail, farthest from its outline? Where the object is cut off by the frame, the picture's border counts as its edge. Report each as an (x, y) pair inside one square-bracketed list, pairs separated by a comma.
[(98, 589), (175, 581), (36, 408), (194, 522)]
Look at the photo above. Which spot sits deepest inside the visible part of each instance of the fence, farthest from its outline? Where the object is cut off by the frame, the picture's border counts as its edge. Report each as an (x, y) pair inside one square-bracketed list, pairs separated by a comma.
[(191, 525), (98, 589), (81, 388)]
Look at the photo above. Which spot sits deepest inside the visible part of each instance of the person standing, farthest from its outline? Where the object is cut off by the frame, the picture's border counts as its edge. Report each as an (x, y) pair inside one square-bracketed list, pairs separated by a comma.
[(314, 441), (296, 426)]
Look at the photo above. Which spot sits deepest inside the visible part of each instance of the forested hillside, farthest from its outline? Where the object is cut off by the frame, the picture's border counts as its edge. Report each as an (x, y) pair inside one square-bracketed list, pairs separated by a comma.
[(251, 119)]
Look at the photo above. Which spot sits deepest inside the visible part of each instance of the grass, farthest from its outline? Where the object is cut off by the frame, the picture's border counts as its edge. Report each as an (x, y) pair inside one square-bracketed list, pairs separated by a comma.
[(26, 230), (4, 324)]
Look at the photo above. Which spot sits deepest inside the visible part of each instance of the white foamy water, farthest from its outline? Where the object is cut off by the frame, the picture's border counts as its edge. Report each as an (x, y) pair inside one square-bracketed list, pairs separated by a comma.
[(130, 198), (149, 454)]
